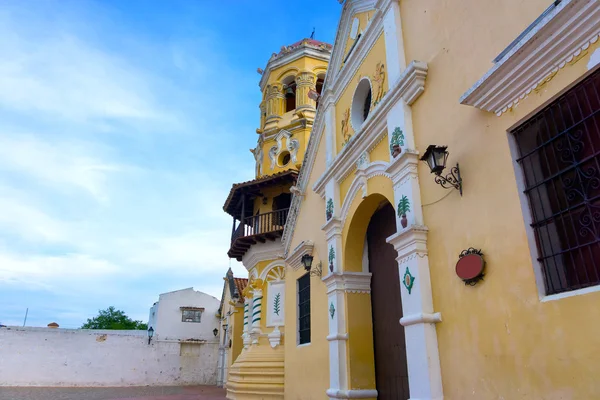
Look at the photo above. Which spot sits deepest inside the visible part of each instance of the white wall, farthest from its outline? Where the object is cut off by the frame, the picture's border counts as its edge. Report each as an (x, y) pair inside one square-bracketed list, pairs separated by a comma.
[(167, 321), (71, 357)]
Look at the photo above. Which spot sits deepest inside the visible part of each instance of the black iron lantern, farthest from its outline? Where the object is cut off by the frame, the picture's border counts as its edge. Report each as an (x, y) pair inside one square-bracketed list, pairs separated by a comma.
[(436, 157), (150, 334), (307, 260), (215, 332)]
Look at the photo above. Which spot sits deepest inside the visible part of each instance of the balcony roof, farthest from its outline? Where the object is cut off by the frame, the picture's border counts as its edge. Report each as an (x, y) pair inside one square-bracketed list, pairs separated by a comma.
[(233, 204)]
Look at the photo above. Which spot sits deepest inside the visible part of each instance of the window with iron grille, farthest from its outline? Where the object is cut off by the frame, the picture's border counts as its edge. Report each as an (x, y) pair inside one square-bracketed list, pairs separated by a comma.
[(559, 153), (304, 309)]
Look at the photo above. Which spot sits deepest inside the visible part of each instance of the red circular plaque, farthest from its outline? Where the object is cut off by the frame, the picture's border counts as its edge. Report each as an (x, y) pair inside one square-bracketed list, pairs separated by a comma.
[(469, 266)]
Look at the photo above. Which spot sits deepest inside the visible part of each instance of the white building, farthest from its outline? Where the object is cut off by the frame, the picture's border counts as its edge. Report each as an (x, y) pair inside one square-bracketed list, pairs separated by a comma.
[(184, 314)]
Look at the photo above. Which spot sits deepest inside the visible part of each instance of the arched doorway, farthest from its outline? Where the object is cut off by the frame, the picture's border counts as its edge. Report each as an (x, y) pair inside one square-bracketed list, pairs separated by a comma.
[(391, 371)]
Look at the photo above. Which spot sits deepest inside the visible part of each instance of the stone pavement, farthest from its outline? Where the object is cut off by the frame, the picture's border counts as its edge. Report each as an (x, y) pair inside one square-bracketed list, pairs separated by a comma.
[(114, 393)]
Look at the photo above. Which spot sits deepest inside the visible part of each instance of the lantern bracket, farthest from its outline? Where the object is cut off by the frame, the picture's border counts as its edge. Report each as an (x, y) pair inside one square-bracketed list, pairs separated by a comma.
[(451, 180)]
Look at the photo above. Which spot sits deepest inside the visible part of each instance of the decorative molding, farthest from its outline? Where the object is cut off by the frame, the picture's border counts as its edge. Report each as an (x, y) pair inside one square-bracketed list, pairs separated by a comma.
[(352, 394), (376, 168), (403, 167), (294, 260), (332, 228), (278, 273), (372, 130), (262, 252), (422, 318), (349, 282), (277, 61), (409, 241), (335, 71), (337, 336), (412, 81), (560, 36), (275, 337)]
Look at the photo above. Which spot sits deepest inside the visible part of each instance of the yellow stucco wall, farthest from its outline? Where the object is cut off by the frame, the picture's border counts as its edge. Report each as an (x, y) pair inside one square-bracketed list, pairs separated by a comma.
[(310, 362), (343, 105), (507, 343)]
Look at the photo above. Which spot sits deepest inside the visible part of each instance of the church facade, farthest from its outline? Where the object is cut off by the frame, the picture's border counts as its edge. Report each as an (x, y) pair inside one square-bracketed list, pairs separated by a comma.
[(425, 218)]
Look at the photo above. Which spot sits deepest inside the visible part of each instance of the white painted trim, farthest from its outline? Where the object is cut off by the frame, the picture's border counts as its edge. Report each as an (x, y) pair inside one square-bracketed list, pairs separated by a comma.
[(572, 293), (376, 168), (262, 252), (349, 282), (352, 394), (268, 268), (560, 36), (422, 318), (294, 260)]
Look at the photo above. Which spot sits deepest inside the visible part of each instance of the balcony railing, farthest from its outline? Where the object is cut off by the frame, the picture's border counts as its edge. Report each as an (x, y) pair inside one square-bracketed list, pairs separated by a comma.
[(261, 224)]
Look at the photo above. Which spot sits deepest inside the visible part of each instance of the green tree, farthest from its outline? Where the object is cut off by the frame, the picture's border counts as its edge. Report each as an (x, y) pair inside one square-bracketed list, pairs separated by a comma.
[(113, 319)]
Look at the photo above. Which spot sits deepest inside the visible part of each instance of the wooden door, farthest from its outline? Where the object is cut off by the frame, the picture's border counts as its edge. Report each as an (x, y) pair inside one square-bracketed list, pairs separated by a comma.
[(391, 371)]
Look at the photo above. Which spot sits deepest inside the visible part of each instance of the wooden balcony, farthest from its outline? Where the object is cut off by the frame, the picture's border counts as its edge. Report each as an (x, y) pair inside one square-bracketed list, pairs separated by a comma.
[(256, 229)]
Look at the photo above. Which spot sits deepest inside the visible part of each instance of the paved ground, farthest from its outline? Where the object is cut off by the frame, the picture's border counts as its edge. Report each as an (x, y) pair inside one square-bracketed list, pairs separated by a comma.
[(130, 393)]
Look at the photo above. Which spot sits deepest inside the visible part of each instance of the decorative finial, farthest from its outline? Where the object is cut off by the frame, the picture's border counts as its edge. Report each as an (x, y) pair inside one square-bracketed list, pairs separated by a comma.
[(312, 35)]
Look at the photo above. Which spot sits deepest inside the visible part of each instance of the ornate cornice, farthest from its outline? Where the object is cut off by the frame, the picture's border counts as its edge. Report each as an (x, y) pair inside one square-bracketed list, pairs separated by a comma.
[(409, 242), (294, 260), (560, 36), (275, 62), (349, 282), (332, 228), (403, 167)]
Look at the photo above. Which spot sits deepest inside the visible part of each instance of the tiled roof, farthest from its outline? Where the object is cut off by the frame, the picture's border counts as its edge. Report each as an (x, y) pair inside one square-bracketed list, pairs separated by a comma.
[(240, 284)]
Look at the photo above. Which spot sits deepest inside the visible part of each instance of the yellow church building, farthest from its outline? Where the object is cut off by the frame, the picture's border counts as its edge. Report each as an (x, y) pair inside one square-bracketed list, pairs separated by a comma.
[(425, 218)]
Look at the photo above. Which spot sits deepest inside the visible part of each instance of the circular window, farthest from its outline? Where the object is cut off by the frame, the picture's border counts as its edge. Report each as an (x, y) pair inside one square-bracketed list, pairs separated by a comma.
[(284, 158), (361, 103)]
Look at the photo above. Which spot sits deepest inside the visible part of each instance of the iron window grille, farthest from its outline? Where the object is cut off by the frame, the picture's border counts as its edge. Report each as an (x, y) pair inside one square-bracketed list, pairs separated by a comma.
[(559, 153), (304, 309)]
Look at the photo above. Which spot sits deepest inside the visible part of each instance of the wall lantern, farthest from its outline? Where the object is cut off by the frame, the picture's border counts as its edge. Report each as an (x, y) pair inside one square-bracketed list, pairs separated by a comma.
[(215, 332), (470, 266), (150, 334), (435, 157), (307, 261)]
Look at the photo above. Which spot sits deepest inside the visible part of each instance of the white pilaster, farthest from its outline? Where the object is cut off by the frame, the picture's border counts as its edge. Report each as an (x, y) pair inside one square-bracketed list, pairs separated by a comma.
[(337, 285), (329, 107), (394, 48)]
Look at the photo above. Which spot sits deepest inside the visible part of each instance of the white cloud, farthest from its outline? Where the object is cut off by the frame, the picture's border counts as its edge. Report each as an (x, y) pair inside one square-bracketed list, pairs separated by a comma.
[(58, 162)]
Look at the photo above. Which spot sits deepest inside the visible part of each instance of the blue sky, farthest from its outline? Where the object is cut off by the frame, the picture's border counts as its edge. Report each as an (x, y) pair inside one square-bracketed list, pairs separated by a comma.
[(123, 125)]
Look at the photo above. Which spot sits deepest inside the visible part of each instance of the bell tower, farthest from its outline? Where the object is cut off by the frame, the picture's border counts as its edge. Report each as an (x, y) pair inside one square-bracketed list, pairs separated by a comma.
[(291, 84)]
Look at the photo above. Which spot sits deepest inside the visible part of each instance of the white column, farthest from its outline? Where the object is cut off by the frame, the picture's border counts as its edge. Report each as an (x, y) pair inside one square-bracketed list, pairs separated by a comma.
[(256, 315), (245, 334)]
